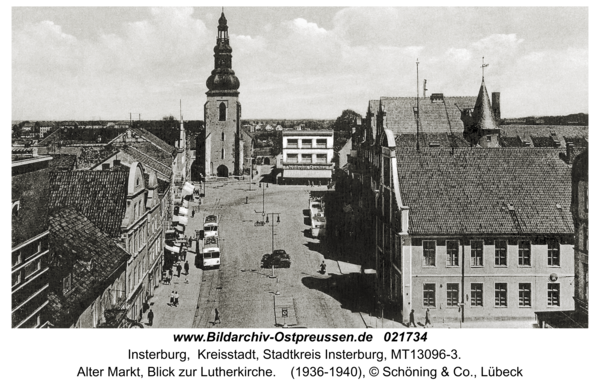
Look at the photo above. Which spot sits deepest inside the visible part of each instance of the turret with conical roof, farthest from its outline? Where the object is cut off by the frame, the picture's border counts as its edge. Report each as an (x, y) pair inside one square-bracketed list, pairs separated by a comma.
[(222, 80), (481, 126)]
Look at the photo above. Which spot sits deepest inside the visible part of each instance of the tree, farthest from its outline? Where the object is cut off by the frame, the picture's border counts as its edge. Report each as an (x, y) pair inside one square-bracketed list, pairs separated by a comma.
[(342, 128)]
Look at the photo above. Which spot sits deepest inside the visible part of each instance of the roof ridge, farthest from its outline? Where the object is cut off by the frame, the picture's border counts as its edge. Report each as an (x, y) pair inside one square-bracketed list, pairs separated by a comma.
[(147, 155)]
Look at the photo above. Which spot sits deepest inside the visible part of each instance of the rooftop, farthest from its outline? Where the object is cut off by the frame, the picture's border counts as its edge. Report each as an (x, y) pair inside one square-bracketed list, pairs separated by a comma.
[(94, 259), (485, 191), (100, 196)]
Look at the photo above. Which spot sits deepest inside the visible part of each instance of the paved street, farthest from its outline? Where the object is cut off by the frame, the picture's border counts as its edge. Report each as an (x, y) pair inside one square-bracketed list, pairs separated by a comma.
[(245, 294)]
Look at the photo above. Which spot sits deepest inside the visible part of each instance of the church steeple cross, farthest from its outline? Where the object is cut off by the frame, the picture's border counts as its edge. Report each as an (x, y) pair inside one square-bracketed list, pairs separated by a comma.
[(483, 66)]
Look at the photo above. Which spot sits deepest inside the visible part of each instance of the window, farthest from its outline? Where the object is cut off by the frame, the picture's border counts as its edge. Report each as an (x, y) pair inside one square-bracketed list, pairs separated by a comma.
[(222, 153), (292, 157), (476, 294), (307, 158), (306, 143), (451, 253), (223, 136), (428, 253), (222, 112), (321, 143), (500, 259), (321, 158), (429, 295), (553, 294), (292, 143), (553, 253), (16, 278), (524, 253), (500, 295), (476, 253), (67, 283), (32, 268), (452, 294), (524, 294), (16, 257)]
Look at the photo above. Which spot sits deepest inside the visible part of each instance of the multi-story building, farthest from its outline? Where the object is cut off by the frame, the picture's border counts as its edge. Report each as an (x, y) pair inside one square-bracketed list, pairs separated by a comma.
[(307, 157), (470, 233), (580, 211), (30, 248), (126, 207)]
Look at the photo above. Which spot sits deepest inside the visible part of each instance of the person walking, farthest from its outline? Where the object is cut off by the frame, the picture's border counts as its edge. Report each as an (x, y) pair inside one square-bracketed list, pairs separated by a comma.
[(178, 270), (323, 268), (217, 318), (412, 318), (150, 317), (176, 299), (427, 319), (193, 213), (186, 266), (172, 301)]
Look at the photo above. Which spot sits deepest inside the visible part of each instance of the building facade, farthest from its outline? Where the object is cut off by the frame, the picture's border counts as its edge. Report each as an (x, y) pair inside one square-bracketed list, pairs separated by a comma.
[(307, 157), (464, 224), (30, 246), (580, 211)]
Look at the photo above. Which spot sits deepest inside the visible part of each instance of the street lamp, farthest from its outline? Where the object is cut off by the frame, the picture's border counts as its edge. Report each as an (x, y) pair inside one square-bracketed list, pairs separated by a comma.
[(260, 185), (251, 169), (273, 238)]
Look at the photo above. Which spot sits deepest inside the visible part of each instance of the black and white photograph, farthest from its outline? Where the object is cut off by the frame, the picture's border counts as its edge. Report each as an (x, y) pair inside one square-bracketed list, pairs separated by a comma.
[(299, 167)]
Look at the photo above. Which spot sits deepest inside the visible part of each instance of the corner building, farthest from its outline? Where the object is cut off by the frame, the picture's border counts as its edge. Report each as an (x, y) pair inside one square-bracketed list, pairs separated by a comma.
[(223, 148)]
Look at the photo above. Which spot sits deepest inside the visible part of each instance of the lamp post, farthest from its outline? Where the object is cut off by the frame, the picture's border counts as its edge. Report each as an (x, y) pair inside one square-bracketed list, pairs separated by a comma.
[(273, 237), (261, 185), (251, 169)]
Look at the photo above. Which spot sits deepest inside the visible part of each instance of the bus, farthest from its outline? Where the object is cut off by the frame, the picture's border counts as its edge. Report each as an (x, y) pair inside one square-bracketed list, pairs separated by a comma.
[(211, 226), (211, 253)]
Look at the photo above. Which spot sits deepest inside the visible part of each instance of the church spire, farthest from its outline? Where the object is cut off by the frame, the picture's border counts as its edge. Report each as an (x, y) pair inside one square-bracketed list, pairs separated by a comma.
[(482, 113), (222, 80)]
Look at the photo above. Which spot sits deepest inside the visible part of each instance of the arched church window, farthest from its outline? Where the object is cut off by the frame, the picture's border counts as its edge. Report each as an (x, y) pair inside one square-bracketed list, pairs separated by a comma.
[(222, 153), (222, 112), (223, 136)]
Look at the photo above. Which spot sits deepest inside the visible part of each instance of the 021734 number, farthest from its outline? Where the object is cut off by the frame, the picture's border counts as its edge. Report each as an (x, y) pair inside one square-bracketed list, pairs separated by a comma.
[(405, 336)]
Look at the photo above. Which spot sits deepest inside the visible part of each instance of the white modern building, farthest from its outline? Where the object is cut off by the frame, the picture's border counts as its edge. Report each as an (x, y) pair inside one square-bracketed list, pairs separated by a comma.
[(307, 157)]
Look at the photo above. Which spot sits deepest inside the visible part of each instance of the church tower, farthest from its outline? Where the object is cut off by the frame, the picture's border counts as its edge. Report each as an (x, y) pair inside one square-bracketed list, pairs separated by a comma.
[(222, 112)]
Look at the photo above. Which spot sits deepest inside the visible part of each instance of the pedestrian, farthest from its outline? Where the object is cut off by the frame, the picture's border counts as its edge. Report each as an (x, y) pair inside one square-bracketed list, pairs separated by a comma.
[(323, 267), (186, 266), (172, 301), (190, 242), (150, 317), (427, 318), (178, 270), (412, 318), (217, 318), (193, 213), (176, 299)]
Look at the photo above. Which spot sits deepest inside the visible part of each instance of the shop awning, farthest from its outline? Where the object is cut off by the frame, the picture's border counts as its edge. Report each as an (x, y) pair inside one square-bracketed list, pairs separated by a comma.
[(187, 189), (307, 174), (173, 249), (180, 228), (183, 220), (183, 211)]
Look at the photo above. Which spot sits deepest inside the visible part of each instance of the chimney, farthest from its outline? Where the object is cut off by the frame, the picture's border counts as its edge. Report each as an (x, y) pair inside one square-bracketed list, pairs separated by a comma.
[(570, 153), (496, 105), (116, 162)]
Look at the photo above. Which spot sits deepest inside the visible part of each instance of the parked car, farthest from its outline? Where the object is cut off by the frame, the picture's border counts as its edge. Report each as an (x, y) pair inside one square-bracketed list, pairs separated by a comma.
[(279, 258)]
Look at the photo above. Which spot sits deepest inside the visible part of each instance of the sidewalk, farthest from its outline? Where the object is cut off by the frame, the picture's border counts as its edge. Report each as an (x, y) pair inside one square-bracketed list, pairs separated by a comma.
[(166, 316)]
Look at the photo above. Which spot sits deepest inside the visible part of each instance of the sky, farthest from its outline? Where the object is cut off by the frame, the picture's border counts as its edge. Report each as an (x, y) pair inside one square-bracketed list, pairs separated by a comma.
[(292, 63)]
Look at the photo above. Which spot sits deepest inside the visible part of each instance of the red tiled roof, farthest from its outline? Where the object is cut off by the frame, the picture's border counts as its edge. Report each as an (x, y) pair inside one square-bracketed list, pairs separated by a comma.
[(470, 191), (99, 195)]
